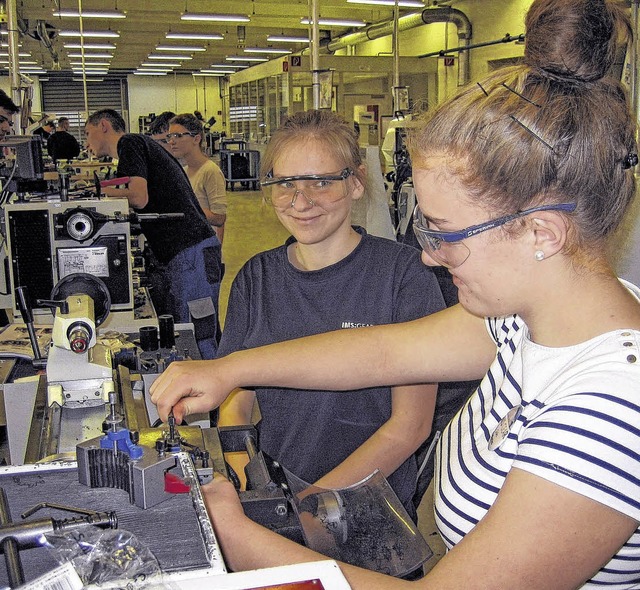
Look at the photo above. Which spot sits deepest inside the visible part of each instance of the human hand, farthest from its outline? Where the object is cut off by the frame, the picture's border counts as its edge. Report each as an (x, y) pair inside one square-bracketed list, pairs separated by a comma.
[(188, 387), (223, 503)]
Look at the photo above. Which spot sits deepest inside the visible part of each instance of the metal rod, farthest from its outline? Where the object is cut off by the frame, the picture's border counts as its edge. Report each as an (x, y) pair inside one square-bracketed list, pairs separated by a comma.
[(10, 546), (461, 48)]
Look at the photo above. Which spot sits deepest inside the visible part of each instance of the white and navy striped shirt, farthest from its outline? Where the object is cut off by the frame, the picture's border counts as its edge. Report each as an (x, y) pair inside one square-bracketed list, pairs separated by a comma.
[(575, 421)]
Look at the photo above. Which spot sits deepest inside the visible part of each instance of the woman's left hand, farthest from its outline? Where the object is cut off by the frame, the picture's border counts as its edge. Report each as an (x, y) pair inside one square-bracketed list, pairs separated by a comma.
[(223, 503)]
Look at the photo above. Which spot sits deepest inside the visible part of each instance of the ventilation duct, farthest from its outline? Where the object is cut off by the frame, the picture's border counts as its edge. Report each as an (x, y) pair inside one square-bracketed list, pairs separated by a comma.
[(439, 14)]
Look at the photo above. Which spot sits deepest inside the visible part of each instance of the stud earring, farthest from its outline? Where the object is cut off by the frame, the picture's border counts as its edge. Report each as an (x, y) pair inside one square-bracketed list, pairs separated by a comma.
[(539, 255)]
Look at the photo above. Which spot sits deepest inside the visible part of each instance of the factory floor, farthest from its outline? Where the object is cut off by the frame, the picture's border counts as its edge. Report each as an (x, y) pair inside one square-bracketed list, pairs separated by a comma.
[(252, 227)]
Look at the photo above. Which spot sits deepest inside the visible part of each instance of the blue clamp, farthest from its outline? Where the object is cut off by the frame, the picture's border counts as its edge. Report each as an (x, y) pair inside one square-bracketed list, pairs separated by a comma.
[(121, 440)]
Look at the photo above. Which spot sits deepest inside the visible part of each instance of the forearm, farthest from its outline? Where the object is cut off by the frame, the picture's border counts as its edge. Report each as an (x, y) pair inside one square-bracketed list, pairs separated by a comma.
[(236, 410), (393, 443), (426, 350), (135, 192), (247, 545)]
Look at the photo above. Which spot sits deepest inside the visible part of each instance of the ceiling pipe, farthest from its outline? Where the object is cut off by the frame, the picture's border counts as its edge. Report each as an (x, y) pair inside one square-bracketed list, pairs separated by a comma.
[(438, 14)]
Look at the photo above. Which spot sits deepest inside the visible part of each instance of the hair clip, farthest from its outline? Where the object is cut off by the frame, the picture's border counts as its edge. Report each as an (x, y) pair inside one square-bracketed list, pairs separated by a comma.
[(535, 104), (481, 88), (533, 133), (630, 161)]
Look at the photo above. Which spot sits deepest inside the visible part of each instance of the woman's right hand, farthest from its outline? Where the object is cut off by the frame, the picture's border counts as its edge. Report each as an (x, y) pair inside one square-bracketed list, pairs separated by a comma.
[(189, 387)]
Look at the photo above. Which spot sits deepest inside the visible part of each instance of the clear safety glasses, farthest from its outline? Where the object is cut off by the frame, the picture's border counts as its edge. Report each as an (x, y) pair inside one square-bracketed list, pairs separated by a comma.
[(317, 189), (171, 136), (448, 248)]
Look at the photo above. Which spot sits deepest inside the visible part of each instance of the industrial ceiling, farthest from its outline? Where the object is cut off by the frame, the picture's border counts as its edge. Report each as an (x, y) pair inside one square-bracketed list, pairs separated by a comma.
[(44, 37)]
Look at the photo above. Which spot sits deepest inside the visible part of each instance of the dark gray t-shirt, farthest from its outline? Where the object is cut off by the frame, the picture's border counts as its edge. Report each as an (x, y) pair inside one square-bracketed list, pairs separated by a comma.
[(169, 192), (380, 282)]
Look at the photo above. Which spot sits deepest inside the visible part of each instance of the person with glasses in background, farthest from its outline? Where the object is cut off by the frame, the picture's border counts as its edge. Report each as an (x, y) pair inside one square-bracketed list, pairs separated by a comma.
[(522, 184), (160, 127), (328, 276), (7, 109), (186, 141)]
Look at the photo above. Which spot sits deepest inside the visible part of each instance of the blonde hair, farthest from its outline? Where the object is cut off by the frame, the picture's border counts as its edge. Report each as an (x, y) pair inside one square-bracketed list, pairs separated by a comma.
[(330, 129)]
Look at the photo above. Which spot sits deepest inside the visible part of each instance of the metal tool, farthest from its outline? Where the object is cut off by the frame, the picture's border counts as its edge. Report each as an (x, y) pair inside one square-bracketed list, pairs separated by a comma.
[(30, 534)]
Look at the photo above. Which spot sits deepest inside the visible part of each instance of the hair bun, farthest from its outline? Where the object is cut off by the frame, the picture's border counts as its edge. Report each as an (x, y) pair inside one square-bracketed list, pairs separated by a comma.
[(573, 40)]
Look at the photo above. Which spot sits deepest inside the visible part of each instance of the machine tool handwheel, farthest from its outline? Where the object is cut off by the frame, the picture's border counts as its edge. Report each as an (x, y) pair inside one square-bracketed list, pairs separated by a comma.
[(83, 283)]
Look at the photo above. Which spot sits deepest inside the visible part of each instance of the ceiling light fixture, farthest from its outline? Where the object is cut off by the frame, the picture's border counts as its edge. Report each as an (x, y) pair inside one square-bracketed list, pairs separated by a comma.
[(232, 66), (401, 3), (91, 55), (88, 79), (96, 34), (273, 50), (220, 72), (90, 14), (213, 74), (93, 63), (225, 18), (160, 64), (89, 45), (195, 36), (287, 39), (169, 57), (149, 73), (21, 63), (142, 68), (335, 22), (31, 69), (245, 58), (179, 48)]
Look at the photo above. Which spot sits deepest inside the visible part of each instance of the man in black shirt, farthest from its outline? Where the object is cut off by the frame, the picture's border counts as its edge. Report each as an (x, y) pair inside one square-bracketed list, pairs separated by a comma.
[(45, 130), (61, 145), (187, 248)]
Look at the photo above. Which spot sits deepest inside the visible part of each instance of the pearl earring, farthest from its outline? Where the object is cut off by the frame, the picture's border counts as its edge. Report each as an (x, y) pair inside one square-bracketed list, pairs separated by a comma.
[(539, 255)]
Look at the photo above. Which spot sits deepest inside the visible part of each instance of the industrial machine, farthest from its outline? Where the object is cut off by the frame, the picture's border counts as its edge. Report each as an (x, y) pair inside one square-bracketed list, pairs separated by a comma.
[(49, 240)]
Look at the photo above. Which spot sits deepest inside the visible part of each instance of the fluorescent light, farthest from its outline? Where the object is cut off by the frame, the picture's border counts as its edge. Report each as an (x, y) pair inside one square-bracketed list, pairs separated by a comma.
[(149, 73), (143, 68), (169, 57), (6, 54), (337, 22), (90, 14), (287, 39), (89, 45), (179, 48), (233, 66), (401, 3), (220, 72), (92, 63), (161, 64), (88, 79), (228, 18), (20, 63), (244, 58), (195, 36), (266, 50), (91, 55), (90, 72), (30, 70), (213, 74), (106, 34)]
